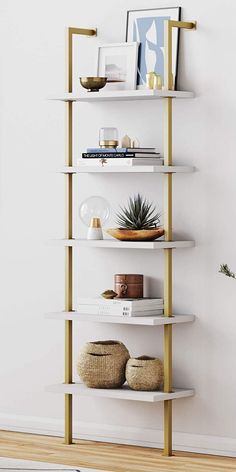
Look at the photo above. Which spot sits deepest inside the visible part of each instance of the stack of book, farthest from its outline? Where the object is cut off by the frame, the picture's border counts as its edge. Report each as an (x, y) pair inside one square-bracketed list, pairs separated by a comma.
[(121, 156), (121, 306)]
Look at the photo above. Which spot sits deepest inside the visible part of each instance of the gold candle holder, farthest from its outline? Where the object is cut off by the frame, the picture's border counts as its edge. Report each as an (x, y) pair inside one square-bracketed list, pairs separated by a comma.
[(150, 79), (157, 82)]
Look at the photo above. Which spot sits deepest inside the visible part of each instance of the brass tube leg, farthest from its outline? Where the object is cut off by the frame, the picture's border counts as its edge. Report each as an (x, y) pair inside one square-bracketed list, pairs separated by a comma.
[(68, 419), (167, 428), (68, 379), (169, 24), (69, 229), (168, 354), (168, 269), (69, 280), (68, 346)]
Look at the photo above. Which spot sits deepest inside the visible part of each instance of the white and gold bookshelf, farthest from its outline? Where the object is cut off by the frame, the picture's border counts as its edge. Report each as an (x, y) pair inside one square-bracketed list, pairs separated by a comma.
[(69, 388)]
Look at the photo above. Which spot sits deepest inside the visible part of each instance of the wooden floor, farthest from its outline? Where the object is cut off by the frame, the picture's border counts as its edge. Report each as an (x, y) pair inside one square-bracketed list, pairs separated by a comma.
[(104, 456)]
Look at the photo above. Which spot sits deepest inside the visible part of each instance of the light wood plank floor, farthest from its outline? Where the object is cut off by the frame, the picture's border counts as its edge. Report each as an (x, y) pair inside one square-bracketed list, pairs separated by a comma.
[(104, 456)]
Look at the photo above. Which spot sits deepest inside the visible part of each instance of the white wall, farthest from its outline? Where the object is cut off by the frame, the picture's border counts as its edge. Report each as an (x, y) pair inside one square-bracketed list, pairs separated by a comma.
[(32, 37)]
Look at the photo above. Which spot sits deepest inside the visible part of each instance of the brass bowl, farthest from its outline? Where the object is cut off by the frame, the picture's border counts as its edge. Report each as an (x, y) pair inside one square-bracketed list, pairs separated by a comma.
[(135, 235), (93, 84)]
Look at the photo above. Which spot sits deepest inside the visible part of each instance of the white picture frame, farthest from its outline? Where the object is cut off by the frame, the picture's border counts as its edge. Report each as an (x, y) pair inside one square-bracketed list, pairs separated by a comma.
[(118, 62)]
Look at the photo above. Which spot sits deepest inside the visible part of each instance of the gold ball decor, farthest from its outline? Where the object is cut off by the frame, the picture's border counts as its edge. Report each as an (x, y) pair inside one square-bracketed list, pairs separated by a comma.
[(101, 364), (144, 373)]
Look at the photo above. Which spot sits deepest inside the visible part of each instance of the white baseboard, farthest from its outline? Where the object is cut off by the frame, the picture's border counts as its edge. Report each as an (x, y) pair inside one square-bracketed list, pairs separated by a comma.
[(198, 443)]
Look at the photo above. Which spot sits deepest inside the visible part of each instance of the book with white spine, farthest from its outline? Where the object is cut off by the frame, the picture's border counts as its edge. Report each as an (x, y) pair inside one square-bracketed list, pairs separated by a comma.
[(108, 311), (123, 161), (121, 307)]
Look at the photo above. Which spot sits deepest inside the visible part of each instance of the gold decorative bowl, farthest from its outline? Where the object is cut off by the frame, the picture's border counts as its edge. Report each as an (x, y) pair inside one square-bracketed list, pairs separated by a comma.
[(109, 294), (135, 235), (93, 84)]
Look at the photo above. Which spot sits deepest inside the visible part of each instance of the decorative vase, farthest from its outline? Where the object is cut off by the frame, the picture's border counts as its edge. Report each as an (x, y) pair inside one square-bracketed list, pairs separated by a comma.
[(144, 373), (101, 364), (95, 229)]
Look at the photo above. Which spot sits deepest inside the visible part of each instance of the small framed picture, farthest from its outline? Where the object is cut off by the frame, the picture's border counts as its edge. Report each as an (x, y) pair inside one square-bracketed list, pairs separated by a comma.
[(147, 27), (119, 63)]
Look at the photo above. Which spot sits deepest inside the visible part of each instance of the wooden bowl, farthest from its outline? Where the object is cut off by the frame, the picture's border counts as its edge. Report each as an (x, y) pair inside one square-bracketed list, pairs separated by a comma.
[(135, 235), (93, 84)]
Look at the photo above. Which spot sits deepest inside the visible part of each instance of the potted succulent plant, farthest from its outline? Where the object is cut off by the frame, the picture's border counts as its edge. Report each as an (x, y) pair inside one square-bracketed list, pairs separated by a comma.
[(138, 221)]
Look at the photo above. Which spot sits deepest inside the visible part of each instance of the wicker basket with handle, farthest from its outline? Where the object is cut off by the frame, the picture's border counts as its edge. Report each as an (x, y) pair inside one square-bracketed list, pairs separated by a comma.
[(144, 373), (101, 364)]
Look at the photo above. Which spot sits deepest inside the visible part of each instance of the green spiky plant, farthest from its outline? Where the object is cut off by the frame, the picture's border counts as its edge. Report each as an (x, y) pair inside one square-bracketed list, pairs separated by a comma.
[(224, 269), (138, 214)]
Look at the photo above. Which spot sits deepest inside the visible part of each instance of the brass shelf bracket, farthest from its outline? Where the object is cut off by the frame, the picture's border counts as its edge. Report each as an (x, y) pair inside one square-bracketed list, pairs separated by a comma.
[(168, 26), (71, 32)]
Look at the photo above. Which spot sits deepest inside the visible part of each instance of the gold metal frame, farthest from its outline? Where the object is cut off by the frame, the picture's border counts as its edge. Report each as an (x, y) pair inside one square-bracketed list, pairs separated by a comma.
[(69, 230), (169, 24)]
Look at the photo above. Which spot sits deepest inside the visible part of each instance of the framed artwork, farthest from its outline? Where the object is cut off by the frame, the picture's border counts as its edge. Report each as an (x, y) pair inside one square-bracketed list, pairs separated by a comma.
[(119, 63), (147, 27)]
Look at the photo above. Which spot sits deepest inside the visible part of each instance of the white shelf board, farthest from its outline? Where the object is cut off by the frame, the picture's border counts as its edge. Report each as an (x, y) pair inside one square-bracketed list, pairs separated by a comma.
[(124, 393), (116, 95), (127, 169), (135, 320), (115, 244)]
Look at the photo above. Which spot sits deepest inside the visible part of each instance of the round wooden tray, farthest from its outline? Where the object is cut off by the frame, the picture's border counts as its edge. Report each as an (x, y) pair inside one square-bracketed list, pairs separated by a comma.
[(135, 235)]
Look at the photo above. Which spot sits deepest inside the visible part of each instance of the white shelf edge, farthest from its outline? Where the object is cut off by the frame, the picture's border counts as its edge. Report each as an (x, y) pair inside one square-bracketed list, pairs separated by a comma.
[(139, 320), (116, 95), (178, 169), (124, 393), (115, 244)]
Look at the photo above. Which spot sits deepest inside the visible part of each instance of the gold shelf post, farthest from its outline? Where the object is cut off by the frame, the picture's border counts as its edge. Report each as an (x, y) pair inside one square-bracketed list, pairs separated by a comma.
[(69, 230), (169, 24)]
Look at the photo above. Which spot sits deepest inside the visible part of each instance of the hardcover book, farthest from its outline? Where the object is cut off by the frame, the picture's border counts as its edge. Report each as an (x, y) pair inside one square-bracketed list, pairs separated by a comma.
[(120, 149), (121, 307), (115, 155), (132, 162)]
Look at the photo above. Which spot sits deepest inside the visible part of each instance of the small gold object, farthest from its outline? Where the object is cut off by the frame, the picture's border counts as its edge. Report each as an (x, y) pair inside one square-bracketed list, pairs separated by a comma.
[(93, 84), (126, 141), (108, 137), (109, 294), (172, 85), (157, 82), (95, 223), (108, 143), (150, 79)]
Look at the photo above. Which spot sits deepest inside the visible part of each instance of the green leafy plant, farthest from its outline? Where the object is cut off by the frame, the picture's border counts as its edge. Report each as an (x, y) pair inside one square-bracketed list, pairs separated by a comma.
[(224, 269), (138, 214)]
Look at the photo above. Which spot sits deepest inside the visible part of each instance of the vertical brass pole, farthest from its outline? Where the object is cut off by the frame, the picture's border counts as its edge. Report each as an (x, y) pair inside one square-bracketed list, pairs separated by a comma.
[(168, 237), (69, 250), (69, 229)]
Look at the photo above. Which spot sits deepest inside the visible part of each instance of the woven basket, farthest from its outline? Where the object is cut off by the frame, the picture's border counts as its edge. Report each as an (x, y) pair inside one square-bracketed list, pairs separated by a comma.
[(144, 373), (101, 364)]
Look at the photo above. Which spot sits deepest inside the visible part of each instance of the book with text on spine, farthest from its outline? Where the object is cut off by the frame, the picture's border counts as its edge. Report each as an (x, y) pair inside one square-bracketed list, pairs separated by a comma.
[(116, 155)]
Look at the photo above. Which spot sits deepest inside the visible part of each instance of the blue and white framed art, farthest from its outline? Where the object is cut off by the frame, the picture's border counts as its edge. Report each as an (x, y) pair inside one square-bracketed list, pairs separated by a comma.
[(147, 28)]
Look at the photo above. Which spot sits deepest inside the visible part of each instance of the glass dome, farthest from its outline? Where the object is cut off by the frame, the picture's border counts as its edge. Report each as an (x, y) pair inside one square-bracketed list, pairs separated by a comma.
[(94, 207)]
